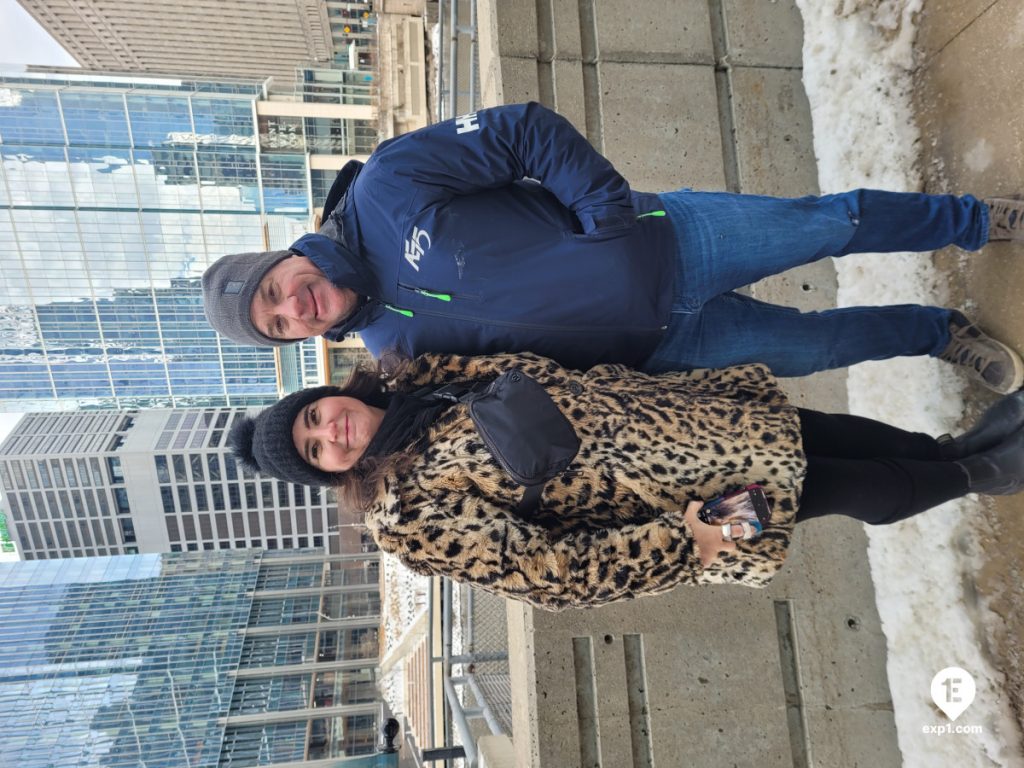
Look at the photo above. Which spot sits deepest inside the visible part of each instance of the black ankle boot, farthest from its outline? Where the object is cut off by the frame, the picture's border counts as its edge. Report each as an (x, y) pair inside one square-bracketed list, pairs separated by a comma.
[(999, 471), (1001, 419)]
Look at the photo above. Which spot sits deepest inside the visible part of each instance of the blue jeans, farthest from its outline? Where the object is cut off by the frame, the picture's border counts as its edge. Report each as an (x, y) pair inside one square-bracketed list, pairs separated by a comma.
[(725, 241)]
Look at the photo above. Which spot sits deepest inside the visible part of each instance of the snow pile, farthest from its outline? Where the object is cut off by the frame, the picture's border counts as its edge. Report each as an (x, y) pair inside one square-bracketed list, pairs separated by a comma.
[(404, 597), (857, 61)]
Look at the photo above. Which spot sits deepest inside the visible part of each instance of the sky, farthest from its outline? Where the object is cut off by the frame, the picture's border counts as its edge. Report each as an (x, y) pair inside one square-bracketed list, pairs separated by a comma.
[(23, 41)]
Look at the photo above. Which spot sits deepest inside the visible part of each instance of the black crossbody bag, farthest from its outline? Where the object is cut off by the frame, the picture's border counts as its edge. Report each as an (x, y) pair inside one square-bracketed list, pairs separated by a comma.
[(522, 427)]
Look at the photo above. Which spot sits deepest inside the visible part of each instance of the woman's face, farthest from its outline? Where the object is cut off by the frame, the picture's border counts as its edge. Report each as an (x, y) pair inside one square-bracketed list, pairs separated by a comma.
[(332, 433)]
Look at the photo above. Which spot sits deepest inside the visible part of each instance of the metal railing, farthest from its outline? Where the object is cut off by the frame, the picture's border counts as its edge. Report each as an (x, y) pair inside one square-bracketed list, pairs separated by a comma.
[(456, 85), (474, 666)]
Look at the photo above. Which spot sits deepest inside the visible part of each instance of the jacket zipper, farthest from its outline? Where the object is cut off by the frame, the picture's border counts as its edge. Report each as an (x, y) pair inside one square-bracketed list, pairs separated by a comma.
[(439, 295), (447, 297), (529, 326)]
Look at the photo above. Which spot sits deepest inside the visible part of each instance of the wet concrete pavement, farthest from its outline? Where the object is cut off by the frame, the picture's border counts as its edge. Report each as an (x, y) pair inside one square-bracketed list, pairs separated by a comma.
[(970, 105)]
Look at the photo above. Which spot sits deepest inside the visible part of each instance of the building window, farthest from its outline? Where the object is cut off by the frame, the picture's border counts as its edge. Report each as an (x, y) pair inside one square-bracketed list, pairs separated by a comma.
[(201, 504), (175, 547), (179, 469), (163, 475), (167, 499), (127, 531), (172, 529), (97, 475), (184, 501), (114, 467), (121, 501)]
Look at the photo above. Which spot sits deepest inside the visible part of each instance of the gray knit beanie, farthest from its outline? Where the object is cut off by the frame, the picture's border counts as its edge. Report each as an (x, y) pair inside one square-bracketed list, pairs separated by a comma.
[(265, 445), (228, 288)]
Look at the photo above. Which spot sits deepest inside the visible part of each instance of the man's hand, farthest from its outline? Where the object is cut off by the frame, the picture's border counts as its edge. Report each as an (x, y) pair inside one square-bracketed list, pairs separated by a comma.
[(707, 537)]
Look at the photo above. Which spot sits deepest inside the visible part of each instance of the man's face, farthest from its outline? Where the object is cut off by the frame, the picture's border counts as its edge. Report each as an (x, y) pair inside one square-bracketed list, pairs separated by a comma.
[(295, 300)]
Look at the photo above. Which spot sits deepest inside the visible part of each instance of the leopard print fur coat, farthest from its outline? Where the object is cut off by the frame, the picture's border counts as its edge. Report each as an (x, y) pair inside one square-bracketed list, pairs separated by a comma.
[(611, 526)]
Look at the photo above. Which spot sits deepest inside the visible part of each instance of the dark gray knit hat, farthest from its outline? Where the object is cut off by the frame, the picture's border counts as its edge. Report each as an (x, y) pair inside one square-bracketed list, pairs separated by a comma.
[(228, 288), (265, 445)]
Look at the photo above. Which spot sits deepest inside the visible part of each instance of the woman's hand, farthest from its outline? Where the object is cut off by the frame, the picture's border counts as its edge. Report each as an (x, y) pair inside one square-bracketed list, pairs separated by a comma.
[(708, 537)]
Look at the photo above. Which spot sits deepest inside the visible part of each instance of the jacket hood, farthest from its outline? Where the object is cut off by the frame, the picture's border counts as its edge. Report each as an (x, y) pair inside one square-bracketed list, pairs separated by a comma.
[(335, 250), (342, 182)]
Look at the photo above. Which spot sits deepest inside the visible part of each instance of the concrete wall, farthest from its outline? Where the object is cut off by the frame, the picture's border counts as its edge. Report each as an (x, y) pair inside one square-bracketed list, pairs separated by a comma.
[(704, 94)]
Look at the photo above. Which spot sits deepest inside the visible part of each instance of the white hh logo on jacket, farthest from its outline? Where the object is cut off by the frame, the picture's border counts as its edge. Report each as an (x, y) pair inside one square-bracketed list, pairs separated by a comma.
[(414, 247)]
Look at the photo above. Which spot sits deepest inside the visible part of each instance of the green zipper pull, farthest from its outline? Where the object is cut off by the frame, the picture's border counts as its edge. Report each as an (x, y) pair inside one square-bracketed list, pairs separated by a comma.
[(439, 296), (405, 312), (659, 214)]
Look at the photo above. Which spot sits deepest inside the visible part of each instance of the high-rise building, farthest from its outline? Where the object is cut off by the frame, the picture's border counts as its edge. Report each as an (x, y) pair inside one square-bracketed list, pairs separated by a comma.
[(206, 660), (259, 38), (87, 483), (116, 192)]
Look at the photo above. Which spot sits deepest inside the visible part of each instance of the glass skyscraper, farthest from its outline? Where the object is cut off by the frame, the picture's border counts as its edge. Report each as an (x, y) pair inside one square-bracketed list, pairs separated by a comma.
[(207, 660), (116, 193)]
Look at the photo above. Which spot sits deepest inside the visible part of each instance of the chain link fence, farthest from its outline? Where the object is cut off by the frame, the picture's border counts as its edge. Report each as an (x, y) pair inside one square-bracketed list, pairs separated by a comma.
[(480, 633)]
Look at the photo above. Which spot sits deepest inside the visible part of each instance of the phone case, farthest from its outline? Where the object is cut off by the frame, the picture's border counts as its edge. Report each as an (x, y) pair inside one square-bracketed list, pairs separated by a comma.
[(747, 504)]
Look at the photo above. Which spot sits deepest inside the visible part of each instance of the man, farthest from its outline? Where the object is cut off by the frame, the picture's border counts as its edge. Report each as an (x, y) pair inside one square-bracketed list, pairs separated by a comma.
[(504, 230)]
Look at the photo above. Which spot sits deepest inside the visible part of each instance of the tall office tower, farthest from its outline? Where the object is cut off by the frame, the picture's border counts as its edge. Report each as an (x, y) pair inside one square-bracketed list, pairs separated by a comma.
[(204, 660), (91, 483), (117, 192), (259, 38)]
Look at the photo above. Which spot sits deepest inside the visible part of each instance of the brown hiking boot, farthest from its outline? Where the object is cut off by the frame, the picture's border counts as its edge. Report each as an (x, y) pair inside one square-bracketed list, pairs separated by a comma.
[(988, 361), (1005, 218)]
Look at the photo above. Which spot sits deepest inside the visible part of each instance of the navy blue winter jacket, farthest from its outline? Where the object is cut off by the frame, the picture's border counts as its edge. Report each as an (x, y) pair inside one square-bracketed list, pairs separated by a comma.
[(500, 231)]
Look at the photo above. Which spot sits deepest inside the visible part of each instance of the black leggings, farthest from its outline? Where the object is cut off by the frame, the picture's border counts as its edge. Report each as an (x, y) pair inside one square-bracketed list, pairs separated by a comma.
[(871, 471)]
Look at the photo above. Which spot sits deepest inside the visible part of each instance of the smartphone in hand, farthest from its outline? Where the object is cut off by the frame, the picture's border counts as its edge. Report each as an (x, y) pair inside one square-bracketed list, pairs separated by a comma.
[(741, 514)]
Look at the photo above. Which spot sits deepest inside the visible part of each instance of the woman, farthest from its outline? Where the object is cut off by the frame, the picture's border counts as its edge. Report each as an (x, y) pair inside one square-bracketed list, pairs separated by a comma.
[(622, 520)]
